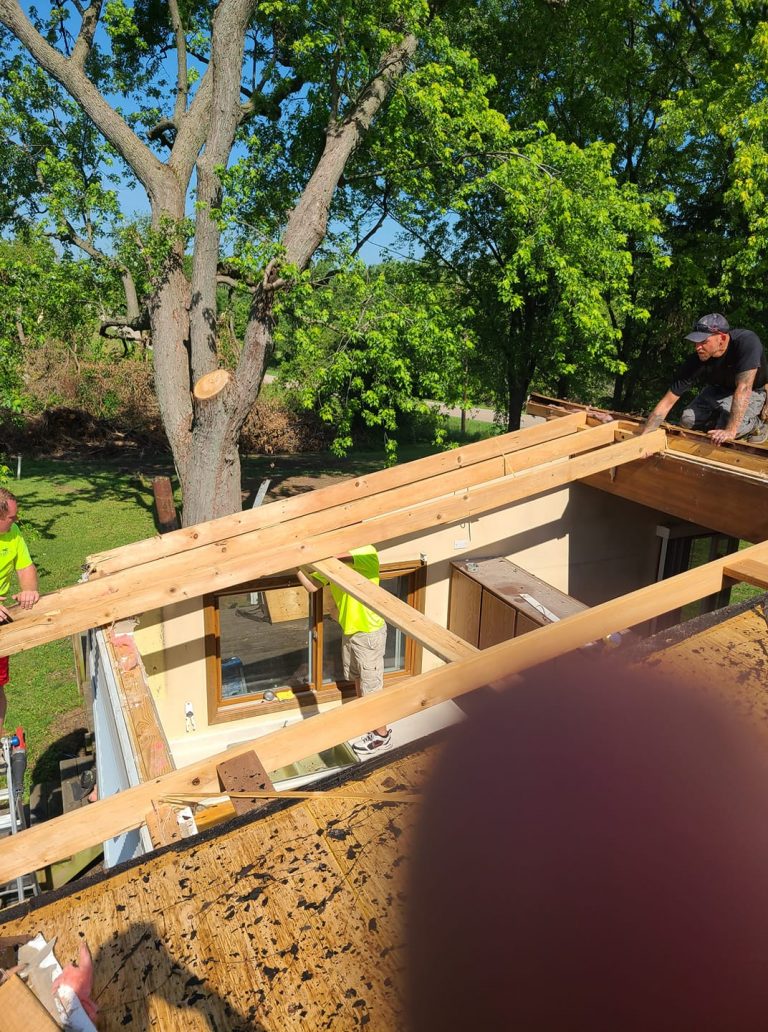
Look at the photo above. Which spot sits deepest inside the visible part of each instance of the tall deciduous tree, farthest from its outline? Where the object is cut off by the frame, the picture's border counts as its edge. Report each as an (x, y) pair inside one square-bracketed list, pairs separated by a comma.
[(264, 101), (678, 88)]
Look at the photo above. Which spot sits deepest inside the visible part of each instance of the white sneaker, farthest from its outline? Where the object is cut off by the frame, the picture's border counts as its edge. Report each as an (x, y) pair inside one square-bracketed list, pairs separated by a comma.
[(373, 743)]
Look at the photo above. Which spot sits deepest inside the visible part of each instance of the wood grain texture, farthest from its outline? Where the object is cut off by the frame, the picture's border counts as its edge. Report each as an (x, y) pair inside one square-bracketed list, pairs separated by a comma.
[(348, 490), (394, 514), (444, 644), (43, 844), (290, 922), (721, 499), (727, 657)]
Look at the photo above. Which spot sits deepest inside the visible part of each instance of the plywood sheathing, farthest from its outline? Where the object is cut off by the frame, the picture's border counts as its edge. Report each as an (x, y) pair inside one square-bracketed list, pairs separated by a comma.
[(725, 653), (291, 921), (244, 773), (46, 843)]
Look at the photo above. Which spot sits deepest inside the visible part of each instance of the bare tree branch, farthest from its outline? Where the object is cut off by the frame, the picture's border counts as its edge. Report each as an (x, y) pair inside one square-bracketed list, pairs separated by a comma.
[(87, 31), (182, 87)]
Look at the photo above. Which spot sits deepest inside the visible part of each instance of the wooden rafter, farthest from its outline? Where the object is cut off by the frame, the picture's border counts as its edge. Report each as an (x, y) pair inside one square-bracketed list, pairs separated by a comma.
[(749, 571), (442, 643), (721, 499), (493, 483), (420, 471), (736, 454), (62, 836), (718, 486)]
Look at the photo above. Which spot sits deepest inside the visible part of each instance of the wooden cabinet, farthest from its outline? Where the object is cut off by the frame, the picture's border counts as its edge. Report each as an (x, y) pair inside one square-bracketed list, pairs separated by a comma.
[(493, 600)]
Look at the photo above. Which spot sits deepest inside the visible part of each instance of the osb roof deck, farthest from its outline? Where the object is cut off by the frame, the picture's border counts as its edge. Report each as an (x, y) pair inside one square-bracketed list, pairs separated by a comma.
[(295, 919), (725, 653), (290, 921)]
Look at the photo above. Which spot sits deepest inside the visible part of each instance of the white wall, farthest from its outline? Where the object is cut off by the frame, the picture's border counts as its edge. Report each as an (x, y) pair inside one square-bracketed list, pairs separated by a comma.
[(579, 539)]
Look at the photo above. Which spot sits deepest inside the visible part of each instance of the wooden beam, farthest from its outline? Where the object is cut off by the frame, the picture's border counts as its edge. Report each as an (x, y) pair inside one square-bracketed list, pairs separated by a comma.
[(417, 472), (285, 547), (717, 498), (747, 571), (442, 643), (48, 842), (558, 408), (746, 459), (739, 454)]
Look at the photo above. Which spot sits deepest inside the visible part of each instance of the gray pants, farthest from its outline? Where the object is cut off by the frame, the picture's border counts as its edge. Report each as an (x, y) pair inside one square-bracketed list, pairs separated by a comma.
[(711, 410)]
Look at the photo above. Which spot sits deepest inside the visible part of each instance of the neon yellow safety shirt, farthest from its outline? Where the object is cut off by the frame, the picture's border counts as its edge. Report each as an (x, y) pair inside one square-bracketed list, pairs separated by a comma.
[(354, 617), (14, 555)]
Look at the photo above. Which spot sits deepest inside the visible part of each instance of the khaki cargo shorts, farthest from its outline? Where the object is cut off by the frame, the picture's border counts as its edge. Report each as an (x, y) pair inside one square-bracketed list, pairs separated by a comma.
[(362, 658)]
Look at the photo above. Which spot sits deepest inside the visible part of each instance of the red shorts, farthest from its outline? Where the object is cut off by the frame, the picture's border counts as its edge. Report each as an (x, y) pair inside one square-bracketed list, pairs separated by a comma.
[(4, 678)]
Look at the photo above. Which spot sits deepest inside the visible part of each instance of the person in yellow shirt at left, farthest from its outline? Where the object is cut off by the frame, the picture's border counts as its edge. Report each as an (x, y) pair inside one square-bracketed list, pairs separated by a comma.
[(14, 556)]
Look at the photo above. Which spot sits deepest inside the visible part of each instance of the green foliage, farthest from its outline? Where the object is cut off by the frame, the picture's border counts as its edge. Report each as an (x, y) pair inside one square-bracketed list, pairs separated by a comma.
[(145, 248), (368, 345), (537, 239), (47, 301)]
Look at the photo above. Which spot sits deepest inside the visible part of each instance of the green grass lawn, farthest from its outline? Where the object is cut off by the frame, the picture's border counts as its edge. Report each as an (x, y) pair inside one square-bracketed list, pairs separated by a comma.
[(67, 510)]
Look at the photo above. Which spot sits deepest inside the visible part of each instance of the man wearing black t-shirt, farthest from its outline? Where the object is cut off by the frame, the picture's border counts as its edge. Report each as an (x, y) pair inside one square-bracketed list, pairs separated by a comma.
[(730, 366)]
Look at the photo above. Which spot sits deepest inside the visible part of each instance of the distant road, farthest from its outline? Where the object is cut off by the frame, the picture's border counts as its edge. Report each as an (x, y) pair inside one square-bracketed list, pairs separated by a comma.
[(482, 415), (485, 415)]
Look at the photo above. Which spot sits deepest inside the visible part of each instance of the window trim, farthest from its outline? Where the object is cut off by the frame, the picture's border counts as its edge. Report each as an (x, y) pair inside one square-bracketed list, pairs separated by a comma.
[(222, 710)]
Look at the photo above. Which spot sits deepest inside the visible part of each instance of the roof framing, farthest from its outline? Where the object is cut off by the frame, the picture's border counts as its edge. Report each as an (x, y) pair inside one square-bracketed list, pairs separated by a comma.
[(307, 530), (63, 836), (718, 486), (262, 543), (444, 644)]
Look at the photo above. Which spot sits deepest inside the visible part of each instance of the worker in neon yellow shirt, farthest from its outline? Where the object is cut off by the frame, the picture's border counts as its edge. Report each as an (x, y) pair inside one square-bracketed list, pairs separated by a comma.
[(363, 641), (14, 555)]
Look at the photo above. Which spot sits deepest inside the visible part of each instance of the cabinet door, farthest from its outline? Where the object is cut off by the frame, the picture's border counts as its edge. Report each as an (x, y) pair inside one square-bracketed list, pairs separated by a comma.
[(497, 621), (525, 624), (464, 607)]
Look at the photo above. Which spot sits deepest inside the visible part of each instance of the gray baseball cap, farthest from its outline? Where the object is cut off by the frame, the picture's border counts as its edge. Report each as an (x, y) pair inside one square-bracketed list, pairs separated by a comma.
[(707, 325)]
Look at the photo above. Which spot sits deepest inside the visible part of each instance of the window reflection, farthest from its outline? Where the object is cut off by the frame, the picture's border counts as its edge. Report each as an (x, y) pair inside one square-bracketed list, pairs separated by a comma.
[(265, 639)]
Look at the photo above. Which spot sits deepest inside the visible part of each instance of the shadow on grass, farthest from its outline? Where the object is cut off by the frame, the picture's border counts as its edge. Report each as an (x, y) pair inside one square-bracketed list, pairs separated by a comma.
[(73, 482)]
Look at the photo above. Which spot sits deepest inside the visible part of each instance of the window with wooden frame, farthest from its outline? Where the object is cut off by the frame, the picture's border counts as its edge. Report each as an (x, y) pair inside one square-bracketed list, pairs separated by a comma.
[(271, 645)]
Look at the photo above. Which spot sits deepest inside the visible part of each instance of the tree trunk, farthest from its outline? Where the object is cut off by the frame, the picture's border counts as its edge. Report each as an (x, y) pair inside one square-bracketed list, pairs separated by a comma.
[(204, 433), (516, 393), (211, 483)]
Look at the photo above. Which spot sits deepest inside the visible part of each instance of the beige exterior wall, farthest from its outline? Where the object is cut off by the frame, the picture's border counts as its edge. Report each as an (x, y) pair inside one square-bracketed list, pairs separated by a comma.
[(580, 540)]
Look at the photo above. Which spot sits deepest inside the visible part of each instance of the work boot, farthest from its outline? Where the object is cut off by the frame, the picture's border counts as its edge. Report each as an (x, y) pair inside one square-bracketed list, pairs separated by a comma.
[(760, 434)]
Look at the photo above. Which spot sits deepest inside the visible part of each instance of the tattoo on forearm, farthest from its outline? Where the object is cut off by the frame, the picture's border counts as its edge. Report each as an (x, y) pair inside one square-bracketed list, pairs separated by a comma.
[(653, 422), (741, 396)]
